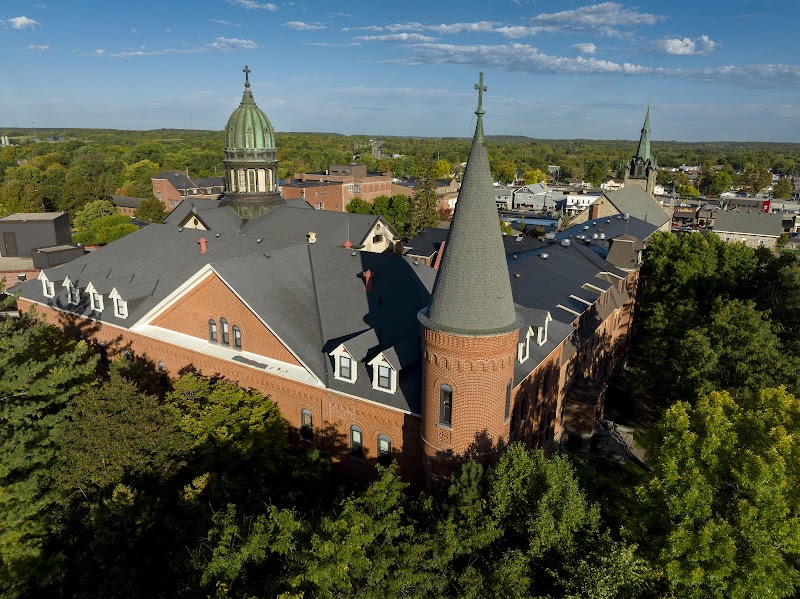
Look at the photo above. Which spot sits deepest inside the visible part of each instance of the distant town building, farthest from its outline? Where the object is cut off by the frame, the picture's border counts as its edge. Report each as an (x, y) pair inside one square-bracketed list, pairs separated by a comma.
[(357, 183), (753, 228)]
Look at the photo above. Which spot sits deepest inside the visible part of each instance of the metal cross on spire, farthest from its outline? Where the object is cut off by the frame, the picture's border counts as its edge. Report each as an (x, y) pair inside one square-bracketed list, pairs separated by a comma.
[(246, 71), (481, 88)]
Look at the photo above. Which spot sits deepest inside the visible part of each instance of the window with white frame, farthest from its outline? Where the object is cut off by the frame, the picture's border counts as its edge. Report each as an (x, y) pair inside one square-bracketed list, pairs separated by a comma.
[(73, 295), (344, 367), (237, 337), (96, 301), (356, 442), (120, 308), (385, 377), (384, 450), (306, 425), (48, 289), (445, 405)]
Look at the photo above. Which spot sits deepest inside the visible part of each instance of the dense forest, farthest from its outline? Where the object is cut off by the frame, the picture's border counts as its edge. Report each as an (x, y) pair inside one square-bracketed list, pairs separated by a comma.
[(117, 481), (68, 168)]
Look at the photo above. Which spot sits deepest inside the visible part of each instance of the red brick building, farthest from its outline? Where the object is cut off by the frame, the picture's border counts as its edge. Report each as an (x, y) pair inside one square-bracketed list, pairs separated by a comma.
[(356, 182), (372, 356)]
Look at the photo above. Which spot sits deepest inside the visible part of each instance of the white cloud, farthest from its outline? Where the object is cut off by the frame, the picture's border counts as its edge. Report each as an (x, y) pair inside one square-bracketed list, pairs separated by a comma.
[(301, 26), (223, 22), (23, 23), (41, 6), (99, 52), (220, 44), (528, 59), (395, 37), (250, 5), (686, 46), (366, 28), (331, 45), (453, 28), (608, 14), (586, 48), (38, 48)]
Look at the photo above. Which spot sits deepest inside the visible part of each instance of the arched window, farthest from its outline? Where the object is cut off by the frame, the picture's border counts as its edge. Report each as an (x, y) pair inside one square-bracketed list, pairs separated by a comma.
[(225, 333), (445, 405), (508, 399), (306, 425), (356, 442), (384, 450), (212, 331), (237, 337)]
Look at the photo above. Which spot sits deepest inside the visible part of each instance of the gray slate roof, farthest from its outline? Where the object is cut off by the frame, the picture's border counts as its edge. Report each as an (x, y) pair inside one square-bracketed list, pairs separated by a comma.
[(126, 202), (753, 223), (634, 200), (472, 294), (177, 179)]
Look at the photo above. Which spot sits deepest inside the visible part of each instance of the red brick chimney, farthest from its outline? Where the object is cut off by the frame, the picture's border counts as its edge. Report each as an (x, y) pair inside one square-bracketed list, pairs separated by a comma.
[(367, 279), (202, 241)]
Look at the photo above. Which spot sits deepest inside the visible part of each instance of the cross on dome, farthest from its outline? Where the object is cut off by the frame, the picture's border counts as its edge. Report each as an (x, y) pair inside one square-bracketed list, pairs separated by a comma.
[(246, 71)]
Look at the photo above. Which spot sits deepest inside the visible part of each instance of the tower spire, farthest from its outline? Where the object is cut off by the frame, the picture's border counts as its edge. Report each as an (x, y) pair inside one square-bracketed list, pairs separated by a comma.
[(643, 151), (472, 293)]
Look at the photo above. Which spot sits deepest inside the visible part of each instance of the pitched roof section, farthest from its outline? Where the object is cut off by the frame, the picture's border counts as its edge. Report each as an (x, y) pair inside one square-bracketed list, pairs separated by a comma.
[(472, 294), (752, 223), (635, 201)]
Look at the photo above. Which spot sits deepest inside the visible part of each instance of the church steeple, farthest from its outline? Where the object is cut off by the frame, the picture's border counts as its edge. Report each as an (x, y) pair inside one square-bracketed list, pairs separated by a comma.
[(472, 293), (641, 170), (643, 151)]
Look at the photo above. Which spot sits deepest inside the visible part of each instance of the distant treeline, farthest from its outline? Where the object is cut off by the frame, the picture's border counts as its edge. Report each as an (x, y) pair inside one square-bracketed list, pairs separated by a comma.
[(67, 168)]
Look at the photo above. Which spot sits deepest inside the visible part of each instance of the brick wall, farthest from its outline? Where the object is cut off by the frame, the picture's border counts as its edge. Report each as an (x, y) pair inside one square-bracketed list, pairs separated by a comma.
[(333, 413), (212, 299), (478, 370)]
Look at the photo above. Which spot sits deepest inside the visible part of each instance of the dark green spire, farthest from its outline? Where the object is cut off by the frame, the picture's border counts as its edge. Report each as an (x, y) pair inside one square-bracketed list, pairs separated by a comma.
[(472, 292), (643, 151)]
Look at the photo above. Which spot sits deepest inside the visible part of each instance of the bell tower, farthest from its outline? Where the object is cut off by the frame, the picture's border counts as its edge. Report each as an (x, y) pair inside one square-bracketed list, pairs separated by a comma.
[(642, 169), (470, 330)]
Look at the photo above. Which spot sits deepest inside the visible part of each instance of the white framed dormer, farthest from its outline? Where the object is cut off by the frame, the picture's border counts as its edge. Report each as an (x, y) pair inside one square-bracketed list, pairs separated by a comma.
[(48, 287), (95, 299), (73, 292), (540, 333), (120, 305), (384, 375), (344, 366)]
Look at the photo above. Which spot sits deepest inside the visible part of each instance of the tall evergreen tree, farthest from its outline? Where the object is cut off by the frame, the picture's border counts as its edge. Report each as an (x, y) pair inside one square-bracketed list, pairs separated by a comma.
[(423, 203)]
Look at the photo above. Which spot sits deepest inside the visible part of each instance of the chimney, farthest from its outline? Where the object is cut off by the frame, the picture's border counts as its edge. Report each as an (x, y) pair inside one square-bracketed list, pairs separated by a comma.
[(312, 237), (367, 279), (202, 241)]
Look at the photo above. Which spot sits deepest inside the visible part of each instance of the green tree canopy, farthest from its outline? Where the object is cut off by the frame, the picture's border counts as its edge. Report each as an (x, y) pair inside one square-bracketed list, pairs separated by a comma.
[(151, 211), (783, 189)]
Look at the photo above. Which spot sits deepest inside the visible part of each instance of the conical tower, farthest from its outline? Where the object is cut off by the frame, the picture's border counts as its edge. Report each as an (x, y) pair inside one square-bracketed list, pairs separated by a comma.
[(251, 164), (642, 168), (470, 330)]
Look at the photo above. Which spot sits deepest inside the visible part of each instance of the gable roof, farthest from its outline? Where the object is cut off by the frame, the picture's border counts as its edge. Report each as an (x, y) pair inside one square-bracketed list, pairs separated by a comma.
[(752, 223), (178, 179), (635, 201)]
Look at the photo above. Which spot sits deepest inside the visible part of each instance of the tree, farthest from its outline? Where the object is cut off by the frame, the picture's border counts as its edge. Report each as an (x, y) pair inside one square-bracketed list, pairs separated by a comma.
[(722, 508), (442, 169), (423, 203), (359, 206), (755, 178), (534, 176), (151, 211), (503, 171), (783, 189), (138, 179), (688, 191), (721, 183), (41, 372), (105, 230), (92, 211)]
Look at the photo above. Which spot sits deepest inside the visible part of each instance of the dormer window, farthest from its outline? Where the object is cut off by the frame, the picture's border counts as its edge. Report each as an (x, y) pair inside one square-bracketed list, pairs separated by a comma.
[(48, 289), (120, 308), (73, 295), (344, 367), (384, 375), (96, 301)]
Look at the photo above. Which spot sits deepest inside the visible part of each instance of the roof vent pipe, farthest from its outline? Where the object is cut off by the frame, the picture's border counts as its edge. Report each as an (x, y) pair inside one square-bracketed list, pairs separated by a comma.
[(202, 241), (312, 237)]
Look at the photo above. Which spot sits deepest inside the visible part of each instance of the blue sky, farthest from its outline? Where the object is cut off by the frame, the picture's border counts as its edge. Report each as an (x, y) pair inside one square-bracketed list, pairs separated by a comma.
[(712, 69)]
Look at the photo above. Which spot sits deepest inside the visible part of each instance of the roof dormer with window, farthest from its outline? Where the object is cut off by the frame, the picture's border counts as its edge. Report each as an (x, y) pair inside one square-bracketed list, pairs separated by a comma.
[(344, 366), (73, 292), (48, 286), (95, 298), (120, 305), (384, 375)]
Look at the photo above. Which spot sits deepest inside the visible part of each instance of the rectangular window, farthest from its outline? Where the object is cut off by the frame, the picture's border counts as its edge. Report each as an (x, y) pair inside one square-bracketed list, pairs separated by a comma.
[(319, 206), (384, 377), (74, 295), (445, 405), (345, 367), (225, 332), (96, 302), (120, 307), (508, 400), (356, 444)]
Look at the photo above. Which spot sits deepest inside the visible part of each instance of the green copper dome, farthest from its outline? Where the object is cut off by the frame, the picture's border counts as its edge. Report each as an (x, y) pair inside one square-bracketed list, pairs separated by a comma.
[(248, 127)]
